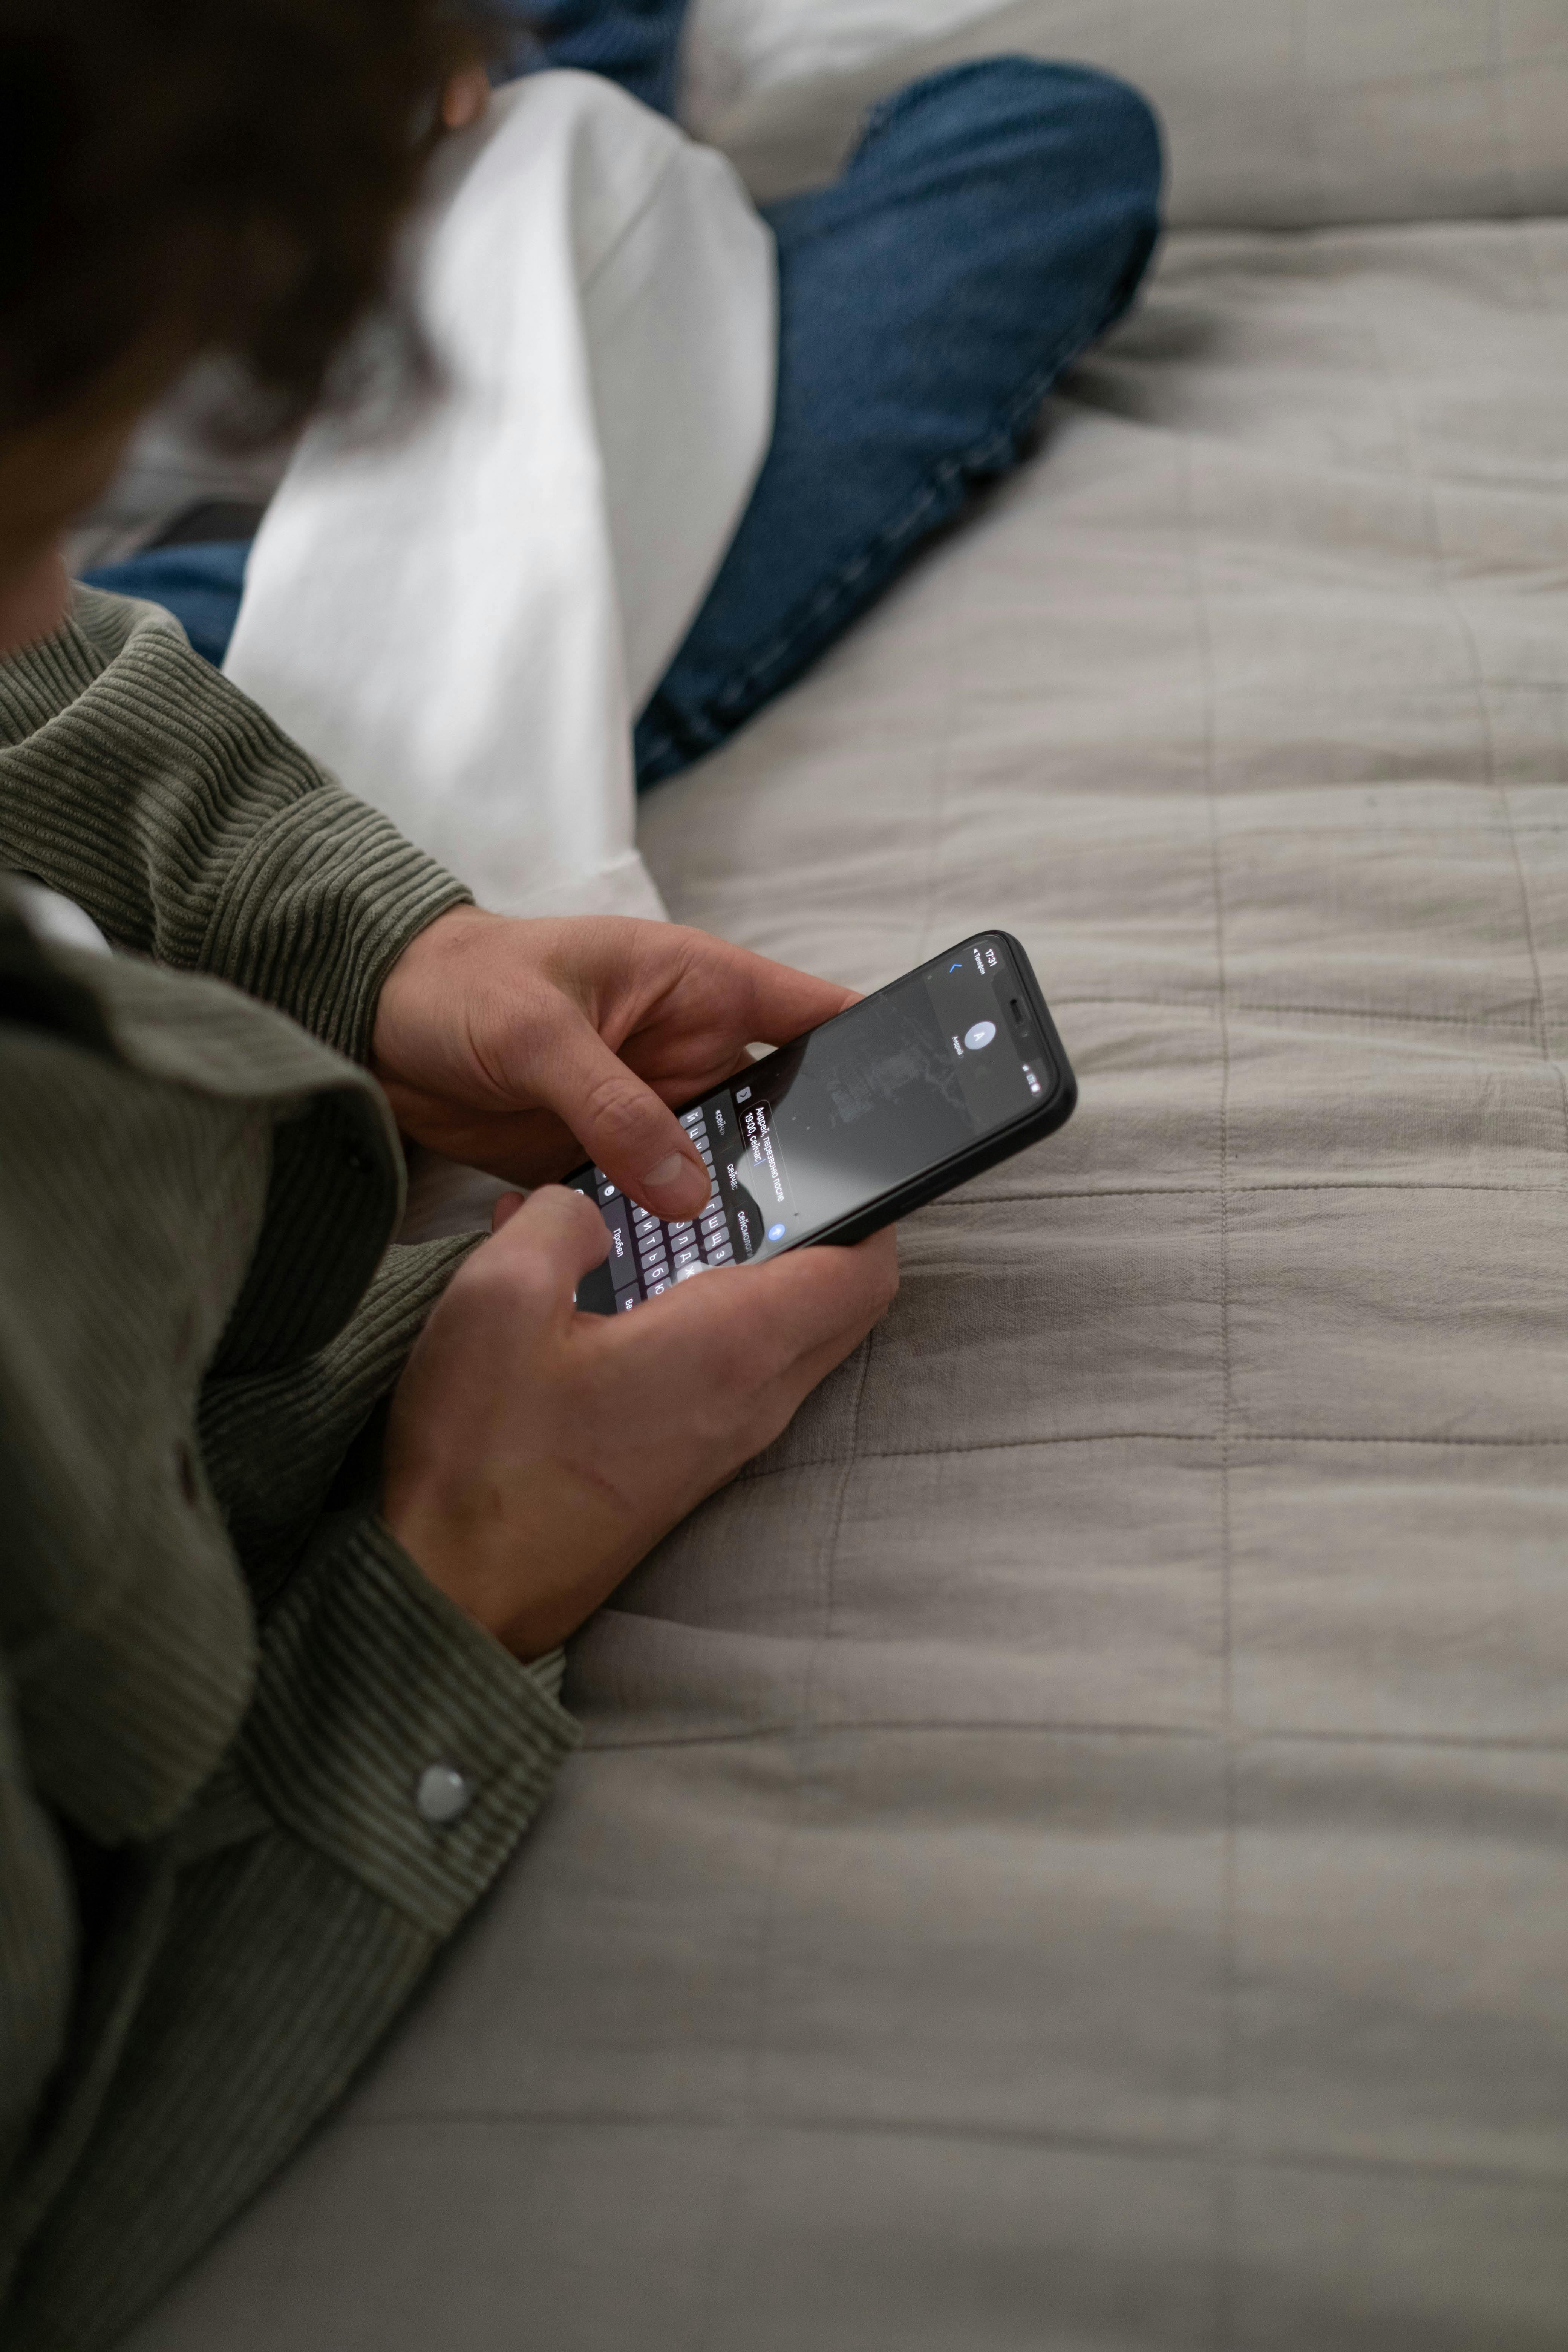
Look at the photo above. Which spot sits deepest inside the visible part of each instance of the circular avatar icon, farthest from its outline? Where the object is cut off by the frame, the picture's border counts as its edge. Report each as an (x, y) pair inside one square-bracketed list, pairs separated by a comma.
[(980, 1036), (777, 1233)]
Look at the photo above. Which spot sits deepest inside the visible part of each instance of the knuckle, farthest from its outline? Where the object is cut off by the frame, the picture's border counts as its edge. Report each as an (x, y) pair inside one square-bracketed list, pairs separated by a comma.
[(513, 1273), (592, 1234), (579, 1211), (617, 1106), (522, 1287)]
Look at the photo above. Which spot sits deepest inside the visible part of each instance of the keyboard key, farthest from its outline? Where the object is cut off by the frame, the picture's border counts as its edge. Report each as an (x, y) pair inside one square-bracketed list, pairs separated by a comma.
[(720, 1254), (623, 1257), (686, 1258), (686, 1272), (691, 1117), (625, 1299), (658, 1272), (681, 1233), (712, 1217), (656, 1290)]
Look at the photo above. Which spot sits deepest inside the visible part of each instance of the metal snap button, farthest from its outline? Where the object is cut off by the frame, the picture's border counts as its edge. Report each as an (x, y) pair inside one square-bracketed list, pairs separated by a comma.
[(444, 1794)]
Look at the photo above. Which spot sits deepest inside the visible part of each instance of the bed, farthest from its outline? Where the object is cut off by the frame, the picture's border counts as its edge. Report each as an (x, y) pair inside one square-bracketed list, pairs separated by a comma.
[(1071, 1849)]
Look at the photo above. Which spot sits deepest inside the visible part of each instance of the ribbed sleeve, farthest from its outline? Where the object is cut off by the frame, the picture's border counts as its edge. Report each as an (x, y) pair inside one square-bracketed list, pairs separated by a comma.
[(297, 1910), (369, 1675), (222, 1868), (272, 1442), (138, 780)]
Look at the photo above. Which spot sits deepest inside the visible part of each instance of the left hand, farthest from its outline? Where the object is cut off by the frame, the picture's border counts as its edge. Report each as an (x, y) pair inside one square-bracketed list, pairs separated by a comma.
[(464, 99), (499, 1042)]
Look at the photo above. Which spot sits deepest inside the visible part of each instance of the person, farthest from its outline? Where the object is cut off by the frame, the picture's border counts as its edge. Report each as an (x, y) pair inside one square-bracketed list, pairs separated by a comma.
[(993, 221), (296, 1521)]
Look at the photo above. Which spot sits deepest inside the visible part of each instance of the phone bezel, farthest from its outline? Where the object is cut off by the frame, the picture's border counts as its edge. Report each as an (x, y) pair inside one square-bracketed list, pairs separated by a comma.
[(987, 1151)]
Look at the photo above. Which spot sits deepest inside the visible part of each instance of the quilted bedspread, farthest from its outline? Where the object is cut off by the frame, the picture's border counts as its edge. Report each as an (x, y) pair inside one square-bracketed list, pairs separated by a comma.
[(1071, 1850)]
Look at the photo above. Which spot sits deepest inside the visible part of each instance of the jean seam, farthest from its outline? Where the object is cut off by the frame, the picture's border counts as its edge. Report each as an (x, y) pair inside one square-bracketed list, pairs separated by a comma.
[(728, 699)]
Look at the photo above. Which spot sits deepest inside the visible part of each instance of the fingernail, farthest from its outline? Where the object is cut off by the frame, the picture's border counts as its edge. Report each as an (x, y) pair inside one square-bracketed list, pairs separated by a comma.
[(667, 1171)]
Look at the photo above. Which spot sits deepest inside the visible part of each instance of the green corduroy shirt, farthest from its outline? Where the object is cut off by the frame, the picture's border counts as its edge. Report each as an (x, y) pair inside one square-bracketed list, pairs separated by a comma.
[(220, 1677)]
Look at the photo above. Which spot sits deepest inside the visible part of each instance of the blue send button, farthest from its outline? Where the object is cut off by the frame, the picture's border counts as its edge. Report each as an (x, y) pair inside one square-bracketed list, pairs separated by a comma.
[(777, 1233)]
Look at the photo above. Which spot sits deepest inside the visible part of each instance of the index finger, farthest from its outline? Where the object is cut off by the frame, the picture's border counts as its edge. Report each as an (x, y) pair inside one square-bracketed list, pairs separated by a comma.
[(773, 1003)]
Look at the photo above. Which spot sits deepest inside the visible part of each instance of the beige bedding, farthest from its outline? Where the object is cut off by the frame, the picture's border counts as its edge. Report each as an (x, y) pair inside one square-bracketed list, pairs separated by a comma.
[(1280, 113), (1072, 1850)]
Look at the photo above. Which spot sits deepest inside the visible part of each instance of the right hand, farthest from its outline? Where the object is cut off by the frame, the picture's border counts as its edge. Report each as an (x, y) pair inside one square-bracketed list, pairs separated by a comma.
[(536, 1455)]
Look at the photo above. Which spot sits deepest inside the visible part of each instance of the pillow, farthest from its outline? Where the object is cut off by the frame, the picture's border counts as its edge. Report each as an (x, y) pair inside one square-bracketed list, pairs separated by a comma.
[(1278, 113), (737, 49)]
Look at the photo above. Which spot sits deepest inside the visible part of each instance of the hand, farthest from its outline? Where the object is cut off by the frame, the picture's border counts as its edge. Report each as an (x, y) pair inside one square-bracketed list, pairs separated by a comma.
[(536, 1454), (464, 99), (522, 1047)]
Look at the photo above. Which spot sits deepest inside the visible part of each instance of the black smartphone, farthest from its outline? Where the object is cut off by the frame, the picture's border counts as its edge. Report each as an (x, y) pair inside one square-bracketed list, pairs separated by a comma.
[(910, 1092)]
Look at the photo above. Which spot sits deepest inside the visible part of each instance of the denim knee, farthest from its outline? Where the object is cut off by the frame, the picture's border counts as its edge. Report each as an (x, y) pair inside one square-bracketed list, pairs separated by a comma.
[(1090, 126)]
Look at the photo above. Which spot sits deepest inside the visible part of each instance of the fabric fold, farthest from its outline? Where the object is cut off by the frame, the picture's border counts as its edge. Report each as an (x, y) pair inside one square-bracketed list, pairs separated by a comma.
[(461, 615)]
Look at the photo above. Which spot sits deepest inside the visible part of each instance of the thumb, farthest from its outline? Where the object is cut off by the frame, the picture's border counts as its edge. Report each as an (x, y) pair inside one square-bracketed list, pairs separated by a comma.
[(636, 1138), (547, 1242)]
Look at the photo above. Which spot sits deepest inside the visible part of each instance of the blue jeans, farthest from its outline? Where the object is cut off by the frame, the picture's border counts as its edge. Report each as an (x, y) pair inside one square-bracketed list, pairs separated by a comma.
[(634, 42), (993, 221)]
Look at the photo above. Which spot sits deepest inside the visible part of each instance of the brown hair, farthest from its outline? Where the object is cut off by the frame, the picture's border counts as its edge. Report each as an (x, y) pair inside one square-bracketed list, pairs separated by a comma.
[(185, 176)]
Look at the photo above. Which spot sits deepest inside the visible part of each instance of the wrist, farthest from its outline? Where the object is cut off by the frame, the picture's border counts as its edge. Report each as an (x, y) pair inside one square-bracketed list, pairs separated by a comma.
[(527, 1569), (410, 982)]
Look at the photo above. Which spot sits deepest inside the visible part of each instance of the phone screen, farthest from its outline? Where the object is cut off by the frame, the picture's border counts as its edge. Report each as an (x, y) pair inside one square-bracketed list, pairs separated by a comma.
[(820, 1129)]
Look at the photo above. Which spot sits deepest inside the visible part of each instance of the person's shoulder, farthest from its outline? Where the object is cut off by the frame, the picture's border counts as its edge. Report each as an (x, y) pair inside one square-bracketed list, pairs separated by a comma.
[(101, 635), (108, 623)]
